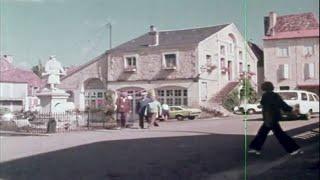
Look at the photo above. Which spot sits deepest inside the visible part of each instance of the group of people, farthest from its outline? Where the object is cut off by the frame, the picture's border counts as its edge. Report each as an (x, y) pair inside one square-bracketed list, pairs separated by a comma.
[(148, 108)]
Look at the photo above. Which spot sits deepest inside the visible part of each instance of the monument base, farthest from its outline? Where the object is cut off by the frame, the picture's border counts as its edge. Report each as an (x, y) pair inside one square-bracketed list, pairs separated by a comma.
[(52, 101)]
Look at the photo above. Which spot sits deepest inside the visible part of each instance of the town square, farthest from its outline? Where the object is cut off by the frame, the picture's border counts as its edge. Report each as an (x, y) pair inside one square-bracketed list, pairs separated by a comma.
[(148, 89)]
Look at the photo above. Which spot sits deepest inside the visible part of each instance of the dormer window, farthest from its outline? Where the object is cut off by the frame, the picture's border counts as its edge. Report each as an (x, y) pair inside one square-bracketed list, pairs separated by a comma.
[(130, 63), (170, 61)]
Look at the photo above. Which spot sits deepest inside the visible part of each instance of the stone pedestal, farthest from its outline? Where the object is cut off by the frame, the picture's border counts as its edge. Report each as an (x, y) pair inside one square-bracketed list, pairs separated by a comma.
[(52, 100)]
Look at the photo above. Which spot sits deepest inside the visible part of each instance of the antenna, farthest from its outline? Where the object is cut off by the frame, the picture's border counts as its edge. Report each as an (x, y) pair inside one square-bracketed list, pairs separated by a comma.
[(109, 25)]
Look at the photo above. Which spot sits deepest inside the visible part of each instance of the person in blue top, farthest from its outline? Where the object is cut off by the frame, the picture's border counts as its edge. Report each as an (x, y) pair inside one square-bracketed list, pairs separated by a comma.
[(272, 104), (141, 107)]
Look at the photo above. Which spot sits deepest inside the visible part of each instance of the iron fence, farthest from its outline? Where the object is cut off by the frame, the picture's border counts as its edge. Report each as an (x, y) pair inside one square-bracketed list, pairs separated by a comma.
[(58, 122)]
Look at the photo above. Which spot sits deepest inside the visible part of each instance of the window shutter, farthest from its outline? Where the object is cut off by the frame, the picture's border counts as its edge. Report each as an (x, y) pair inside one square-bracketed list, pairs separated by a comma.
[(310, 70), (285, 71)]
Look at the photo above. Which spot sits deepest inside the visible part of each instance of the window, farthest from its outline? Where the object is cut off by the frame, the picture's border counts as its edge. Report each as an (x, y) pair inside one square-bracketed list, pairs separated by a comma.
[(17, 103), (173, 96), (289, 95), (304, 97), (316, 97), (169, 92), (170, 61), (208, 59), (284, 71), (130, 63), (240, 55), (100, 95), (283, 51), (249, 68), (177, 92), (222, 63), (311, 98), (308, 50), (240, 67), (222, 50), (230, 49)]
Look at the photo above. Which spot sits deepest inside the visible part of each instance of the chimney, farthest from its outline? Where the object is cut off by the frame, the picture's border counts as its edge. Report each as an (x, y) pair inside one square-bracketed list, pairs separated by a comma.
[(272, 23), (154, 36)]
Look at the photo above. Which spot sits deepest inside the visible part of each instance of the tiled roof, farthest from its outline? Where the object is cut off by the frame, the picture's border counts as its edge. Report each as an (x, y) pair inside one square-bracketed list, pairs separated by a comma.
[(9, 73), (296, 25), (168, 39)]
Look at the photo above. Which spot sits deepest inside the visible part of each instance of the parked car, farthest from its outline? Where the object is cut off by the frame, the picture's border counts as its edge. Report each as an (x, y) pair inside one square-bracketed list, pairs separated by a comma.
[(180, 112), (304, 102), (250, 108), (6, 114)]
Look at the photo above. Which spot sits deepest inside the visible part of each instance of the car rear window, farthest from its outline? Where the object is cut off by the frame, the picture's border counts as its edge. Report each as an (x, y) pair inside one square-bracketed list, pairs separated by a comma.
[(316, 97), (311, 97), (289, 95)]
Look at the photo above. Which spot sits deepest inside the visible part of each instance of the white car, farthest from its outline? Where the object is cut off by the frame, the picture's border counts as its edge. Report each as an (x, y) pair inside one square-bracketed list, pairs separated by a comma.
[(250, 108), (304, 102)]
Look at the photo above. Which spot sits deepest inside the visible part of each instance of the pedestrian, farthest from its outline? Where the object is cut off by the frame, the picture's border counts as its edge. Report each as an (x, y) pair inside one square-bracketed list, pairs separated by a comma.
[(123, 109), (153, 110), (165, 111), (141, 108), (272, 104)]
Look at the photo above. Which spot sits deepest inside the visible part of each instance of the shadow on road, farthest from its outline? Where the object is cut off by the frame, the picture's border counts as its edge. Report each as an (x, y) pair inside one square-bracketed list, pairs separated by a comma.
[(185, 158)]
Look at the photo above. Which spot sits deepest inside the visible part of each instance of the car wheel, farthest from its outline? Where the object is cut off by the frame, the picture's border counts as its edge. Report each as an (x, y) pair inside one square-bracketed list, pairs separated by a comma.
[(179, 118), (191, 117), (251, 111), (308, 115)]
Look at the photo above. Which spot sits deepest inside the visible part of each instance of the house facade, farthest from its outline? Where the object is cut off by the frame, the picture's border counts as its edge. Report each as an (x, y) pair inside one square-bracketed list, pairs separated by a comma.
[(291, 51), (17, 86), (184, 67)]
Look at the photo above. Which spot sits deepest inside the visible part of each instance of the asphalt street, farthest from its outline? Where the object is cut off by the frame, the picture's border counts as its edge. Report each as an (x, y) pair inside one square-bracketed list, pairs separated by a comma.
[(178, 150)]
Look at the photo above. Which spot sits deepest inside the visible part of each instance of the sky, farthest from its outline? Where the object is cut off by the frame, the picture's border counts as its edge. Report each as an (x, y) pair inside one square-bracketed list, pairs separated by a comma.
[(75, 30)]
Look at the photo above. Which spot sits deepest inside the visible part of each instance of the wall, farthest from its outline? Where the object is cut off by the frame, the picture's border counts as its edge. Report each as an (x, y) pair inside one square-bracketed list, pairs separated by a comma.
[(149, 65), (13, 90), (216, 80), (296, 61), (97, 68)]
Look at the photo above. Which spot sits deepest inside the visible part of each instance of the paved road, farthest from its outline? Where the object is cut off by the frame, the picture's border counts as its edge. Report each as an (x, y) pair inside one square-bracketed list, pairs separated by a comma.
[(198, 149)]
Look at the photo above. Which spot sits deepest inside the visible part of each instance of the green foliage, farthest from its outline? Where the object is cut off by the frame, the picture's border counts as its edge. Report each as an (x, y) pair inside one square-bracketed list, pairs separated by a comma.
[(38, 69), (247, 92), (231, 100)]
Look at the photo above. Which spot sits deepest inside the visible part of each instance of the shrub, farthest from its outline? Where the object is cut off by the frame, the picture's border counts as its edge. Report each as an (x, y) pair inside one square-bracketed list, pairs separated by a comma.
[(231, 100)]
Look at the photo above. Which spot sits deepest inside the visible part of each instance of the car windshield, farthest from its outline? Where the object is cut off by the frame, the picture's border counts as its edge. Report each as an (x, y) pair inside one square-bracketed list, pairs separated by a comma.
[(289, 95)]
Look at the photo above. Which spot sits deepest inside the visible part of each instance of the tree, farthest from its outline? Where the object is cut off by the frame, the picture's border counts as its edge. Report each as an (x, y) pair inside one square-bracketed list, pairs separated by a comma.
[(247, 92), (38, 69)]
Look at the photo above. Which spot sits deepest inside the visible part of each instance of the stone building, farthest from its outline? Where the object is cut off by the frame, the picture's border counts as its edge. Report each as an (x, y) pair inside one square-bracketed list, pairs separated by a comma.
[(291, 51), (185, 67)]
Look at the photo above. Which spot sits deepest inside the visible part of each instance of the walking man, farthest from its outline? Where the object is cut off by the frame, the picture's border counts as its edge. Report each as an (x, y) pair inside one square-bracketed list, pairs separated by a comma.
[(153, 110), (272, 103), (123, 109), (141, 108)]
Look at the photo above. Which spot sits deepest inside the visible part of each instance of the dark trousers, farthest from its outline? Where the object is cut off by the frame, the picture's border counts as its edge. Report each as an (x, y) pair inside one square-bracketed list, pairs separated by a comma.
[(286, 141), (122, 117), (142, 117)]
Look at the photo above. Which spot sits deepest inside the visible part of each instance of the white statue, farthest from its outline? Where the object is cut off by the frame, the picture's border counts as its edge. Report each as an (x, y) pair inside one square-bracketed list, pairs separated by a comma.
[(54, 69)]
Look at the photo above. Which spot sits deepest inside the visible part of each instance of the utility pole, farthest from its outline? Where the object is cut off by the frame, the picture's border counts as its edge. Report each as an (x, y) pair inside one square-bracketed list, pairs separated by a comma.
[(109, 25)]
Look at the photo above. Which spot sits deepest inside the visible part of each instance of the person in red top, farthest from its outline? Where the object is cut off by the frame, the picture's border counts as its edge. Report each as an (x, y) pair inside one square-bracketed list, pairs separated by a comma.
[(123, 109)]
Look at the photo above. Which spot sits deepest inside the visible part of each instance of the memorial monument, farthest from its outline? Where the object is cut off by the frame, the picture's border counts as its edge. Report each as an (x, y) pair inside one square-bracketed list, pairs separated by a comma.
[(53, 99)]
